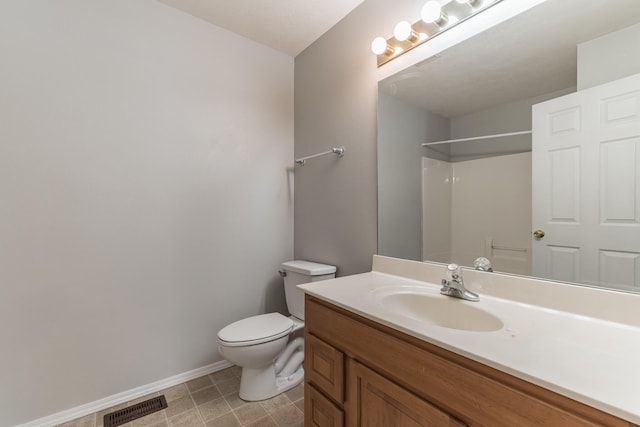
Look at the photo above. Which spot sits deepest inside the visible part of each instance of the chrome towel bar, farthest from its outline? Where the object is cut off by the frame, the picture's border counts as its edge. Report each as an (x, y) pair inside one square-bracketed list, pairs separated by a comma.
[(336, 150)]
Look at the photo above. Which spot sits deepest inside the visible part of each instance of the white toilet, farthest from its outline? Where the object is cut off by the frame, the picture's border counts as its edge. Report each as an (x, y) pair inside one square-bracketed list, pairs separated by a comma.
[(270, 347)]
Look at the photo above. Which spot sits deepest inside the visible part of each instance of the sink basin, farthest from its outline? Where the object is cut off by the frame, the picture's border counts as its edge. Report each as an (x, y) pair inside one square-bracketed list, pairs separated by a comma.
[(430, 307)]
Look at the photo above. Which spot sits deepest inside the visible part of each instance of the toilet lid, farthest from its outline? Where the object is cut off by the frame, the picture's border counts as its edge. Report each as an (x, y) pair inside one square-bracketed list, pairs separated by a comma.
[(256, 329)]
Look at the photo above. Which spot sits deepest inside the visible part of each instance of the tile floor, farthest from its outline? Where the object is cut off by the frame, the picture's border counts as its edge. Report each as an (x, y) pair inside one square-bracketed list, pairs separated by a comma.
[(212, 401)]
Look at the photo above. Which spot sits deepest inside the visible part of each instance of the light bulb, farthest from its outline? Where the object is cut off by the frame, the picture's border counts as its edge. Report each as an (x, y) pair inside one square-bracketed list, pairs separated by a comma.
[(379, 46), (432, 12), (402, 31)]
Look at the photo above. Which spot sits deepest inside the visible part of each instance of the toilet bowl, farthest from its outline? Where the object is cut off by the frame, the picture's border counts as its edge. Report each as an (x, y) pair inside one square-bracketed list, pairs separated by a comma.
[(270, 347), (256, 344)]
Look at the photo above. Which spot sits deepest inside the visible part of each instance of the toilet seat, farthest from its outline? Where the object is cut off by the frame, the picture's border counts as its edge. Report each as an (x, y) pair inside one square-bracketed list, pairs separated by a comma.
[(256, 330)]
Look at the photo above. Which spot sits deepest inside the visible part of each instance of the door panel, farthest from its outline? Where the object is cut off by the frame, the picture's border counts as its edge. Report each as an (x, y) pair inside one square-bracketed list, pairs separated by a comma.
[(563, 262), (619, 268), (586, 185), (620, 197), (564, 167), (557, 176)]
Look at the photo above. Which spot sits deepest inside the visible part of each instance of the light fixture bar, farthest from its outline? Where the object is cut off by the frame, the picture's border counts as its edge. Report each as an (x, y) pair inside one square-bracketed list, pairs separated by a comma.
[(436, 20)]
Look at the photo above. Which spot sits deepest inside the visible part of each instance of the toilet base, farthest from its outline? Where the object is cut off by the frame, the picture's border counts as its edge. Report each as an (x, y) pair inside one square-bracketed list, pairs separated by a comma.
[(262, 384)]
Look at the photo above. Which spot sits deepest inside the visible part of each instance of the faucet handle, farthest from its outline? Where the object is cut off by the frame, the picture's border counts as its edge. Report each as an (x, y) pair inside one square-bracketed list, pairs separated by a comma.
[(453, 271), (454, 286), (482, 264)]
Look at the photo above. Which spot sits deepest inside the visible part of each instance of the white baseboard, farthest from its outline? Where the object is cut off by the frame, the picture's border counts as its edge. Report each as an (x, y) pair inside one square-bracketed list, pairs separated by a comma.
[(125, 396)]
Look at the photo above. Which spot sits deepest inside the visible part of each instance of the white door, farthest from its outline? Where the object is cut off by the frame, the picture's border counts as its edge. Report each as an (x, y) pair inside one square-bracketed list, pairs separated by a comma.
[(586, 186)]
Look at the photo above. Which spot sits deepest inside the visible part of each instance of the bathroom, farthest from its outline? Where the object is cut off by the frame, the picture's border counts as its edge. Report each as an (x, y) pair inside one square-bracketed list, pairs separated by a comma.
[(148, 191)]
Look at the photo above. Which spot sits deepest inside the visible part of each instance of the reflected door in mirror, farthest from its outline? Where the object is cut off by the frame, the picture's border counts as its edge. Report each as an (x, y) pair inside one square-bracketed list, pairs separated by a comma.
[(586, 189)]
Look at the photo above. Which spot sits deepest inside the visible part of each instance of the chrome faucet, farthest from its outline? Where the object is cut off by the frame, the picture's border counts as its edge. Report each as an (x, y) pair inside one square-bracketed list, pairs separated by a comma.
[(453, 285)]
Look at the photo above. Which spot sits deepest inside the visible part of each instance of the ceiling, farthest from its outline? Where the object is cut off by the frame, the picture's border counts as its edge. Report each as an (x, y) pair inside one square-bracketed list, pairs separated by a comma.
[(288, 26), (532, 54)]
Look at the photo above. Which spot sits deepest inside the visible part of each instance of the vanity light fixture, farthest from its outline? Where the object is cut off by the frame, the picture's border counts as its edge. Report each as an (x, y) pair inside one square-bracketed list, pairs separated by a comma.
[(403, 31), (432, 13), (379, 46), (435, 19)]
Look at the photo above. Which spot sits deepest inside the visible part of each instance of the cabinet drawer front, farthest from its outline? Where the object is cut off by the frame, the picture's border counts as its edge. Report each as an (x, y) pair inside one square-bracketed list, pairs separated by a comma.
[(377, 401), (324, 367), (319, 411)]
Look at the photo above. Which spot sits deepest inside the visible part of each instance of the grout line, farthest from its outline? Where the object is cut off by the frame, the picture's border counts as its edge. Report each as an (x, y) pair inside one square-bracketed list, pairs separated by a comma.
[(199, 414), (274, 420), (166, 418), (195, 405)]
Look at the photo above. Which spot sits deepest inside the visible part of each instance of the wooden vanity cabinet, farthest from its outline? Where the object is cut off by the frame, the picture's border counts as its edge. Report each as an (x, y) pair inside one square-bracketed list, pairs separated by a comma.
[(362, 373)]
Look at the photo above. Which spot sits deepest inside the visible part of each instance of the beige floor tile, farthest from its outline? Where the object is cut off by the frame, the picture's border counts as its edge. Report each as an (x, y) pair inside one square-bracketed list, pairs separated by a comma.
[(234, 400), (274, 403), (295, 393), (288, 416), (156, 419), (250, 412), (228, 386), (205, 395), (198, 402), (228, 420), (237, 371), (199, 383), (224, 375), (214, 409), (175, 392), (190, 418), (86, 421), (263, 422), (158, 424), (176, 407)]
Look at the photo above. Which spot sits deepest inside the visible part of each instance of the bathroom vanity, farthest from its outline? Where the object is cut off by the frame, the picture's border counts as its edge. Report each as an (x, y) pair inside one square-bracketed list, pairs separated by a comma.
[(373, 358)]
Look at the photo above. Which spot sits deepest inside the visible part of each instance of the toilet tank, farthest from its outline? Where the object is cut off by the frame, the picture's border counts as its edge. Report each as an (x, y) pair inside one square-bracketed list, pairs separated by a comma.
[(298, 272)]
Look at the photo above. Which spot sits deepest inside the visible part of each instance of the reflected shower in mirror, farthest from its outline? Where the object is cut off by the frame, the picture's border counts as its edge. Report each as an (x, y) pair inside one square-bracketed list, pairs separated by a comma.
[(458, 178)]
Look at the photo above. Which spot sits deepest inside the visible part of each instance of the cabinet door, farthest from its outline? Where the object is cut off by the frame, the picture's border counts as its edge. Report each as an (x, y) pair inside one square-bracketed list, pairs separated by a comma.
[(376, 401)]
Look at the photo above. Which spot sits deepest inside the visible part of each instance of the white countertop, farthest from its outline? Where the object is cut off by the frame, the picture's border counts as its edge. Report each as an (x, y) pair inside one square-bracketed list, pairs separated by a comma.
[(591, 359)]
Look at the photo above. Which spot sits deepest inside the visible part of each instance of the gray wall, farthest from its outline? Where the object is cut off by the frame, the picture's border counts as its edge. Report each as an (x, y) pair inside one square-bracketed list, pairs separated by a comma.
[(510, 117), (596, 56), (402, 128), (335, 104), (145, 200)]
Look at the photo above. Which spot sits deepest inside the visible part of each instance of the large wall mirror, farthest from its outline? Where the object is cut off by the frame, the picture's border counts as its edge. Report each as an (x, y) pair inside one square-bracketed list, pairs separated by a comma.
[(521, 145)]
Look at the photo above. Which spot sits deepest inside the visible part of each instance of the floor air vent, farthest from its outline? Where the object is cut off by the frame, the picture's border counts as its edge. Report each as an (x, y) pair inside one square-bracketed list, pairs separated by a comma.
[(134, 412)]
